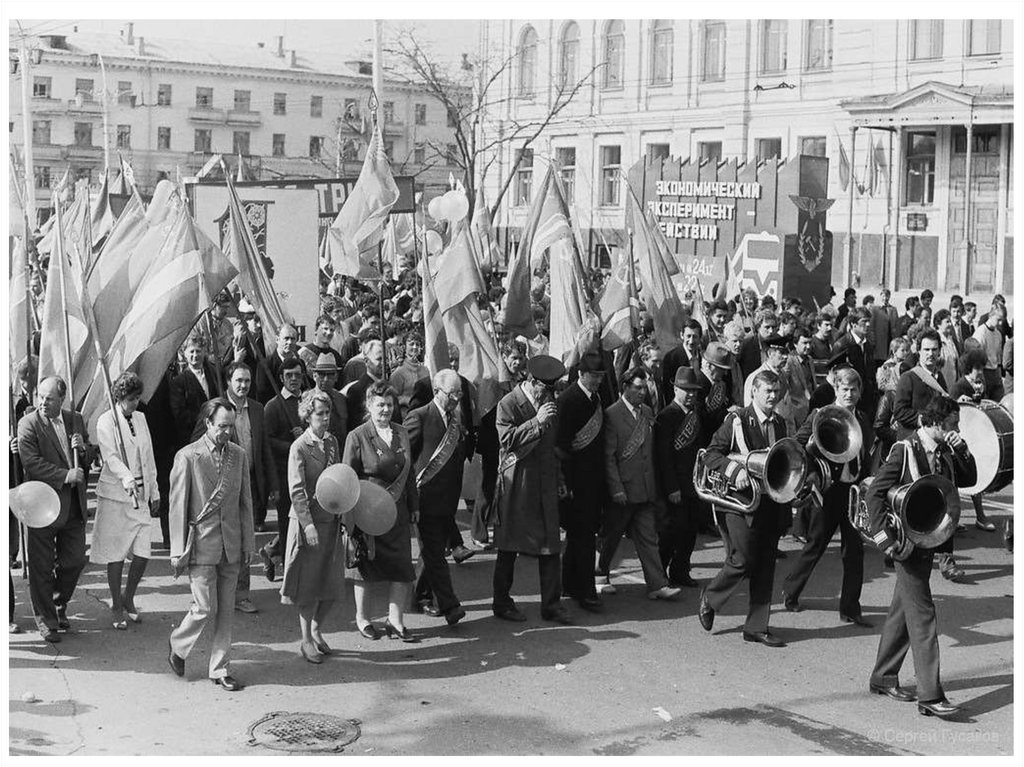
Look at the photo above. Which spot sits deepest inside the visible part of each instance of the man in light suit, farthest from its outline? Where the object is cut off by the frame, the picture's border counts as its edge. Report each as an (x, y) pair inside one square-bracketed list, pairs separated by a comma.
[(437, 440), (47, 441), (629, 468), (210, 493)]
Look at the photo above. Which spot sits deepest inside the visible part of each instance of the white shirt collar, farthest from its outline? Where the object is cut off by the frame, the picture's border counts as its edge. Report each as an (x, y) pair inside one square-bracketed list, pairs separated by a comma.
[(579, 382), (285, 394), (444, 415), (929, 444), (633, 411)]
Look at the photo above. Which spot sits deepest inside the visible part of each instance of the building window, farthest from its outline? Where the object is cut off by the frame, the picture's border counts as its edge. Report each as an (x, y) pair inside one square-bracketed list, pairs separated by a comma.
[(453, 118), (657, 152), (568, 55), (204, 140), (40, 131), (920, 168), (614, 53), (124, 93), (349, 150), (925, 39), (316, 147), (42, 176), (42, 87), (280, 103), (709, 150), (389, 112), (527, 54), (611, 180), (243, 101), (83, 134), (163, 95), (124, 137), (83, 174), (421, 114), (316, 106), (566, 158), (713, 52), (983, 37), (985, 140), (769, 148), (204, 98), (815, 146), (163, 138), (240, 142), (389, 150), (351, 109), (84, 88), (419, 154), (277, 149), (773, 46), (524, 176), (451, 154), (818, 50), (661, 52)]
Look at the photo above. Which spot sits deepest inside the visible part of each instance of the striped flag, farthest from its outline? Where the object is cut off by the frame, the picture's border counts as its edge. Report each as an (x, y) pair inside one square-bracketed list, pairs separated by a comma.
[(356, 233), (618, 306), (483, 234), (21, 321), (435, 339), (457, 273), (480, 363)]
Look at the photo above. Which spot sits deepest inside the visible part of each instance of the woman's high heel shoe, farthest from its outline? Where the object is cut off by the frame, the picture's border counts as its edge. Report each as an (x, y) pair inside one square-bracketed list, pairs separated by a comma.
[(369, 631), (405, 635), (311, 655)]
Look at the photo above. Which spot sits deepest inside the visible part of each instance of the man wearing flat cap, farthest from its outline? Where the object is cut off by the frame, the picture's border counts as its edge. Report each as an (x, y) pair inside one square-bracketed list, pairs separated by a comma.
[(679, 432), (580, 448), (716, 392), (526, 508), (324, 373)]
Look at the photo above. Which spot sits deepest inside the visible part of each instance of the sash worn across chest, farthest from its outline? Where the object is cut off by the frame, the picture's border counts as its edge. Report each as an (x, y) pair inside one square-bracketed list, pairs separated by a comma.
[(212, 505), (442, 453), (636, 440), (686, 435), (397, 487), (589, 432), (928, 379)]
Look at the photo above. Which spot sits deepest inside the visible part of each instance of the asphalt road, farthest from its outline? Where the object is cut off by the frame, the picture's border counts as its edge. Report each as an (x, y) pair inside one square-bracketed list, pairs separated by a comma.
[(641, 679)]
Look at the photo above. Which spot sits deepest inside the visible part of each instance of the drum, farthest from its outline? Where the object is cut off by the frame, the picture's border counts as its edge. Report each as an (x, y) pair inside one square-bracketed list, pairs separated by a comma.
[(988, 430), (1007, 402)]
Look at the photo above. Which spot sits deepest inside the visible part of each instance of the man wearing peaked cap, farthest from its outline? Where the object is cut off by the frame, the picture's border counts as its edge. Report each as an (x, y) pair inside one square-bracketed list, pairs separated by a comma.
[(526, 498), (776, 356), (825, 393)]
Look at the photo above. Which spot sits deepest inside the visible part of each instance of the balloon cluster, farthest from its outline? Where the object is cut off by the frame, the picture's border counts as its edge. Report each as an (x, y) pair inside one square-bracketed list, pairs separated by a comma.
[(452, 206), (363, 504)]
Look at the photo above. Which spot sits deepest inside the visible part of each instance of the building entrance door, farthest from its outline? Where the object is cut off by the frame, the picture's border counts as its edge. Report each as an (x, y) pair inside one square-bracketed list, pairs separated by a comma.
[(984, 229)]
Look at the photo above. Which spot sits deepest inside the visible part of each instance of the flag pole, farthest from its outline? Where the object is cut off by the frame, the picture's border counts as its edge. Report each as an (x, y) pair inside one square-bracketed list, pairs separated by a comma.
[(383, 325), (59, 247)]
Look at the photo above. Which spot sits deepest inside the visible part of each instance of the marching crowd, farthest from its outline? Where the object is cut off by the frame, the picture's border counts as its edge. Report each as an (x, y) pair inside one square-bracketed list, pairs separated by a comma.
[(570, 462)]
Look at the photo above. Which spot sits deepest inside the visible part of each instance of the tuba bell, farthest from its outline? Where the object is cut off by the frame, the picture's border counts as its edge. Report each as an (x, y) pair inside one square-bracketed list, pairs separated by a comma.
[(778, 472), (925, 511), (836, 434)]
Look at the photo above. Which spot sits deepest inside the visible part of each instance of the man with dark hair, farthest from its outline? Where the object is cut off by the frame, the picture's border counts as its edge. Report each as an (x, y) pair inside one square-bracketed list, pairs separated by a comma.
[(961, 330), (883, 325), (821, 341), (323, 332), (861, 355), (753, 352), (686, 354), (926, 298), (935, 447), (197, 383), (718, 316), (629, 468), (752, 540), (212, 537), (907, 319), (970, 314), (287, 346), (849, 303)]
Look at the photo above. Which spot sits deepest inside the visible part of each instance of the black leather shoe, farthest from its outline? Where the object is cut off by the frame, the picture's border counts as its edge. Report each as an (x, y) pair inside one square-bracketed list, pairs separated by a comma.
[(175, 661), (940, 708), (558, 616), (460, 554), (404, 634), (269, 569), (790, 603), (511, 614), (856, 620), (896, 693), (454, 615), (705, 612), (62, 618), (369, 631), (685, 580), (780, 554), (592, 604), (229, 683), (763, 637), (49, 635)]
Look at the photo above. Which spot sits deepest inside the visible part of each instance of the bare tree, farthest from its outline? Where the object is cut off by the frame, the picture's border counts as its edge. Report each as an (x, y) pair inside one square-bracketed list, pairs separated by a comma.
[(468, 92)]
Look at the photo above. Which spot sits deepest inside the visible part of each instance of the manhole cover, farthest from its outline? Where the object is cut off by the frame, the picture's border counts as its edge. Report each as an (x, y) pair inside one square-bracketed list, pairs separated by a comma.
[(288, 731)]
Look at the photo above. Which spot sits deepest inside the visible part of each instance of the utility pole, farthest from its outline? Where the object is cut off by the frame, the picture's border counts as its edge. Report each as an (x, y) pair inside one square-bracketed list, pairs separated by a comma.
[(337, 147), (26, 116), (378, 65), (106, 117)]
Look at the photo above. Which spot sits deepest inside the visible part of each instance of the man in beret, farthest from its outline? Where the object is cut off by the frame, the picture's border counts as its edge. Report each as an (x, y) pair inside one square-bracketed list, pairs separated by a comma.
[(526, 507), (580, 448)]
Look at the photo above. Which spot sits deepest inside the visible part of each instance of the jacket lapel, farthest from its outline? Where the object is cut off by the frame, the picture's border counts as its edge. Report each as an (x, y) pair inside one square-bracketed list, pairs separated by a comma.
[(51, 433)]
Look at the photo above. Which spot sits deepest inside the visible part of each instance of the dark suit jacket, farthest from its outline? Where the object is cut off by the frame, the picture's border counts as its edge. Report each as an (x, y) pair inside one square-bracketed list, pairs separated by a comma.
[(187, 398), (44, 461), (583, 470), (751, 355), (263, 459), (675, 465), (863, 361), (965, 333), (426, 428), (912, 394), (675, 359), (267, 378), (280, 417), (423, 393), (633, 476)]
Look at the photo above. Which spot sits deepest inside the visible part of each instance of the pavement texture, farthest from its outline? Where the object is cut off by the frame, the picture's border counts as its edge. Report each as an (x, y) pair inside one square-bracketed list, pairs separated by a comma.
[(641, 679)]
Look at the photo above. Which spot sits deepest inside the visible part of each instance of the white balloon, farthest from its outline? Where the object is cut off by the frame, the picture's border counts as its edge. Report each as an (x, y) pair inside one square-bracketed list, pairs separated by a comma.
[(458, 206), (434, 208), (434, 243)]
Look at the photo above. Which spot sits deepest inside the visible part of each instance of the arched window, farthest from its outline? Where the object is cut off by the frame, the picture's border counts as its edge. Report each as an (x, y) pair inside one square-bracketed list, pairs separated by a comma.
[(661, 51), (568, 55), (527, 53), (614, 53)]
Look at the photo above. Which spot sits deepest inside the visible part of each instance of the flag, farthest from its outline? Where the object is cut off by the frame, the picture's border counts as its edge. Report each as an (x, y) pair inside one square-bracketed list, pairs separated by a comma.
[(356, 233), (21, 322), (651, 252), (127, 176), (458, 275), (209, 165), (480, 362), (399, 241), (618, 306), (483, 235), (844, 165), (436, 355), (101, 218), (240, 247), (878, 168)]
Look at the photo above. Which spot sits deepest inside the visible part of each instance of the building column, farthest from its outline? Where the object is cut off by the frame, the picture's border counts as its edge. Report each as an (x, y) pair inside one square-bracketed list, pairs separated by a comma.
[(968, 251), (1004, 202)]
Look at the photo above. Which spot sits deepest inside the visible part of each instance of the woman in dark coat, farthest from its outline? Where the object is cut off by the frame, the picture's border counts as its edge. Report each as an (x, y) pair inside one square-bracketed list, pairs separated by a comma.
[(379, 451), (315, 553)]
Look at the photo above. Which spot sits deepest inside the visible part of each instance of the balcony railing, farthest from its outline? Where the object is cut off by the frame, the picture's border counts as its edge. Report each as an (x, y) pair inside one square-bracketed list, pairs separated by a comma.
[(86, 106), (244, 117), (207, 115)]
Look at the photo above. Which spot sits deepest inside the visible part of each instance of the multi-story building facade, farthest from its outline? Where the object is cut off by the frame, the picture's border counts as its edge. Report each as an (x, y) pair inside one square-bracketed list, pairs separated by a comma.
[(170, 105), (914, 106)]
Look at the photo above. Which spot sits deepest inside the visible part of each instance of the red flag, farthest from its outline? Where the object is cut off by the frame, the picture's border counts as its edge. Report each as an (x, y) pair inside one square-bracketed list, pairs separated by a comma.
[(844, 165), (357, 231), (618, 306), (436, 355), (480, 363)]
